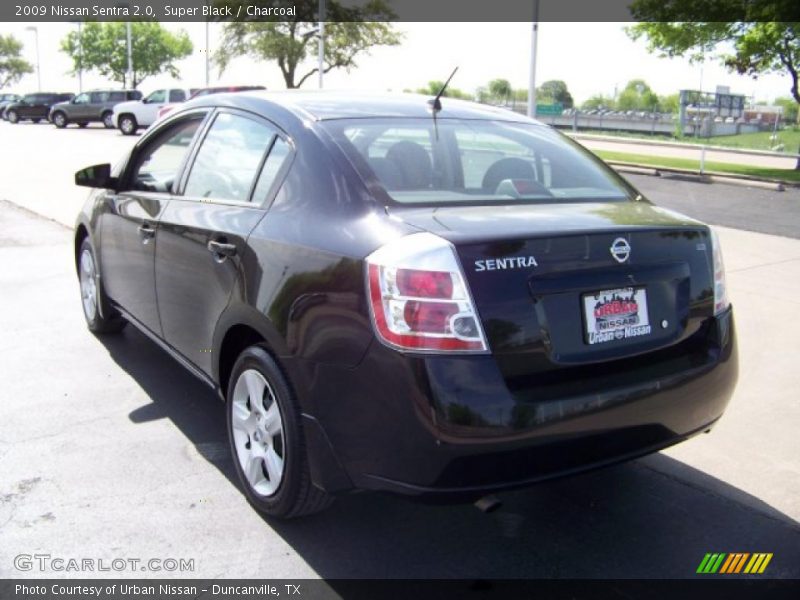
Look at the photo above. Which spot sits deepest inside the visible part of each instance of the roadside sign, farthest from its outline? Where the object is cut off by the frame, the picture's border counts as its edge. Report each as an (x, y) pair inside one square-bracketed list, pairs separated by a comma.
[(549, 109)]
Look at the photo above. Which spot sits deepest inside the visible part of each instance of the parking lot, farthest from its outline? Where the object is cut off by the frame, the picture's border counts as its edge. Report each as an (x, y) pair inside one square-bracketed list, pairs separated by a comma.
[(109, 449)]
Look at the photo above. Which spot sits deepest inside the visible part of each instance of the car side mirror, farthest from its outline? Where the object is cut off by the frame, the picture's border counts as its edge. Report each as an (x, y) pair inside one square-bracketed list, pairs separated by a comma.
[(96, 176)]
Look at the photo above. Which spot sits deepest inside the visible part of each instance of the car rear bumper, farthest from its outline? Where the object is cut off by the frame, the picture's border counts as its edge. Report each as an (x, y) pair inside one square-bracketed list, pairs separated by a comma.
[(451, 427)]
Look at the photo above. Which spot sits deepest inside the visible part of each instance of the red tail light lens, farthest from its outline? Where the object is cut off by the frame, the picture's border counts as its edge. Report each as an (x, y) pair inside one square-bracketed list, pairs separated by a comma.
[(419, 299), (424, 284)]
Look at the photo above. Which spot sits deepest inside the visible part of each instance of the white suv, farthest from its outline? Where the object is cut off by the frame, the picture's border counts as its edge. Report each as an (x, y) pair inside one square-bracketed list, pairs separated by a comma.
[(129, 117)]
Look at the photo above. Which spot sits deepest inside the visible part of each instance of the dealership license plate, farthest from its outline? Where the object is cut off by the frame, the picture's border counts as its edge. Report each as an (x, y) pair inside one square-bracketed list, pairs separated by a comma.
[(615, 315)]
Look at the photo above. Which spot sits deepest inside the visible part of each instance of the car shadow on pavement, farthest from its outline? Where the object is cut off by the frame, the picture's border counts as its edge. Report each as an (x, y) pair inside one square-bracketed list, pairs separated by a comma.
[(655, 517)]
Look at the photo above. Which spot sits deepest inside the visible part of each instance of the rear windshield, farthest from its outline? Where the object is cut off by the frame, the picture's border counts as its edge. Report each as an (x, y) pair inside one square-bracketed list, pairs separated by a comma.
[(418, 161)]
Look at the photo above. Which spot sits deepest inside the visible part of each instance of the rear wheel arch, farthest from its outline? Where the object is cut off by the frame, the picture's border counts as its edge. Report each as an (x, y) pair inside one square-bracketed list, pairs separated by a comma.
[(241, 322), (236, 340), (81, 233)]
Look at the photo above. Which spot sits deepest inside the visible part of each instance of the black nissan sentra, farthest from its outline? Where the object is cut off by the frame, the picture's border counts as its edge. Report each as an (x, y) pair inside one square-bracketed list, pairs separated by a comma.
[(437, 299)]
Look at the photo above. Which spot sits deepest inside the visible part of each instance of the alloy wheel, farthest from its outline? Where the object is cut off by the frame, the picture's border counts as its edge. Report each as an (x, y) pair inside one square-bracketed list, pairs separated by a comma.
[(88, 281), (258, 432)]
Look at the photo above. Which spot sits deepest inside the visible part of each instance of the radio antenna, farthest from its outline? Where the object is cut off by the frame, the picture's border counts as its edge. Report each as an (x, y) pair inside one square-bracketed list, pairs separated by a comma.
[(436, 104)]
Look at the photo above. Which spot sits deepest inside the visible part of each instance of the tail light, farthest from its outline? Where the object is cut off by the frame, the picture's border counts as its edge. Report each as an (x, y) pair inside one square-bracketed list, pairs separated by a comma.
[(419, 299), (721, 301)]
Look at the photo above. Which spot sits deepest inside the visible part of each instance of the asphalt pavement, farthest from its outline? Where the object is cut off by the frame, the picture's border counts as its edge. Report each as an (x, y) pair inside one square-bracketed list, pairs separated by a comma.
[(109, 449), (737, 206)]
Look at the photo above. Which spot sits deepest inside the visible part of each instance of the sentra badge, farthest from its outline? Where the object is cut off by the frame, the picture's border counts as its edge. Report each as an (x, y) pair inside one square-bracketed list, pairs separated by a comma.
[(499, 264)]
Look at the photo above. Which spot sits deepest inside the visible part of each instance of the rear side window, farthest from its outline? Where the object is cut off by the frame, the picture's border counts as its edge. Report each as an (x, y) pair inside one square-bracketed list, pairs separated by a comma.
[(116, 97), (278, 156), (419, 161), (229, 158), (177, 96)]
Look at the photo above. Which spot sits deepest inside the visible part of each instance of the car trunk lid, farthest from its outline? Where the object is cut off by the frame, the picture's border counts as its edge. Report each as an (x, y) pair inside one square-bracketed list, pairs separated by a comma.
[(570, 284)]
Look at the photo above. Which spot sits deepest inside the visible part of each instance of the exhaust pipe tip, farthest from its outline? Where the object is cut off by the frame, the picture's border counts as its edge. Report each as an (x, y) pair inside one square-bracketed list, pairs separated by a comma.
[(488, 504)]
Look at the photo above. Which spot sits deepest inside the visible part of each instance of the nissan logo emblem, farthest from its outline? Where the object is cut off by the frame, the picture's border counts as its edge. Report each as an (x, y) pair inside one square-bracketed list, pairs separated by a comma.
[(620, 250)]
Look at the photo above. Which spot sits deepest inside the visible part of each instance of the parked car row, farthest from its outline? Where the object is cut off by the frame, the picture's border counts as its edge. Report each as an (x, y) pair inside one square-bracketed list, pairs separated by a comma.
[(126, 110), (33, 107), (91, 107), (620, 114)]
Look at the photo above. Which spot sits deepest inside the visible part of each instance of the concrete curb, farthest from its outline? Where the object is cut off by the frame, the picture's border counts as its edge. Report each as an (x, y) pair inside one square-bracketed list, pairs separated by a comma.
[(708, 177)]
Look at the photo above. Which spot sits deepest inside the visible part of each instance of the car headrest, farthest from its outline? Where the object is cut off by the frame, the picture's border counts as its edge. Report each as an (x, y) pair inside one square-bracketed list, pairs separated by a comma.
[(506, 168), (413, 163)]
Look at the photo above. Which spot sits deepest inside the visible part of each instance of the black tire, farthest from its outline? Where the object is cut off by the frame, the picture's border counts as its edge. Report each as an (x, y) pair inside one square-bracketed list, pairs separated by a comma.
[(60, 120), (36, 120), (295, 495), (128, 124), (108, 119), (110, 321), (13, 117)]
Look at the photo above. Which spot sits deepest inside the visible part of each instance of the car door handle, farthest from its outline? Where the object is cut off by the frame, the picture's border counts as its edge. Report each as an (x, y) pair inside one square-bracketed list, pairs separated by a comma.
[(221, 248), (146, 232)]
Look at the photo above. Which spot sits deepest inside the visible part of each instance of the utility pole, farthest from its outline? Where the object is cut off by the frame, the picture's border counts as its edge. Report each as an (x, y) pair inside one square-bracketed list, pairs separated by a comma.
[(321, 54), (35, 31), (532, 79), (130, 55), (208, 58), (80, 57)]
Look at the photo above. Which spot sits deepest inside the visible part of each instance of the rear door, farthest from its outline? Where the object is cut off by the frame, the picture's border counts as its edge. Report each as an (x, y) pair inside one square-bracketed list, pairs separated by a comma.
[(39, 107), (97, 104), (131, 217), (202, 237), (81, 107)]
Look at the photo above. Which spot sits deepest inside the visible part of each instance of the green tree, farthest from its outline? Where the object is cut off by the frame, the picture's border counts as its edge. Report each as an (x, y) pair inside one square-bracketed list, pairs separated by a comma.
[(520, 95), (12, 65), (599, 101), (669, 104), (350, 32), (554, 91), (791, 114), (757, 36), (433, 88), (500, 90), (637, 95), (102, 47)]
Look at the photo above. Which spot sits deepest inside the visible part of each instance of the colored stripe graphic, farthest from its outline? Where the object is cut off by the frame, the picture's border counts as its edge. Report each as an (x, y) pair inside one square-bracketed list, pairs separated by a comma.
[(733, 563), (711, 563), (758, 563)]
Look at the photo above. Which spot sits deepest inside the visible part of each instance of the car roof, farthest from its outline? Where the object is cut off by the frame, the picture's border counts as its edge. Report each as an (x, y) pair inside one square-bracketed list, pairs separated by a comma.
[(326, 105)]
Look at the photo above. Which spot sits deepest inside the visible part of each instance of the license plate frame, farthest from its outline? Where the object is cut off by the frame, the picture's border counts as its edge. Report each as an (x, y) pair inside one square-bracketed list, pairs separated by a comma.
[(614, 315)]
